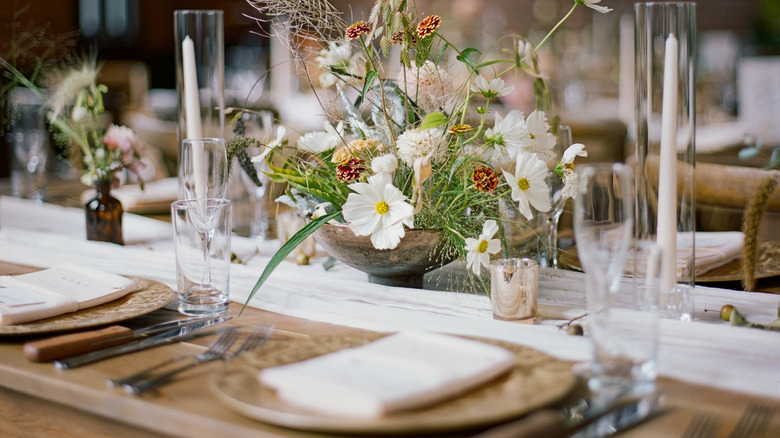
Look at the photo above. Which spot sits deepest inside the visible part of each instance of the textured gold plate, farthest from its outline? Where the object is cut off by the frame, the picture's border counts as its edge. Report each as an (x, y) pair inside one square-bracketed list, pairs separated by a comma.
[(768, 264), (536, 380), (148, 296)]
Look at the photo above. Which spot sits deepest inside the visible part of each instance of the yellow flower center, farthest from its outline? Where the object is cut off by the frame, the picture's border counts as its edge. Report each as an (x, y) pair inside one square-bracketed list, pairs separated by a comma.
[(482, 246), (569, 166), (382, 207), (533, 137), (523, 184)]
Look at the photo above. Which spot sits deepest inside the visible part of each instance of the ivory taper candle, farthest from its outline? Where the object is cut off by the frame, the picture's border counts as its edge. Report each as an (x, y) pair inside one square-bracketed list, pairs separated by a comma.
[(667, 173), (192, 114)]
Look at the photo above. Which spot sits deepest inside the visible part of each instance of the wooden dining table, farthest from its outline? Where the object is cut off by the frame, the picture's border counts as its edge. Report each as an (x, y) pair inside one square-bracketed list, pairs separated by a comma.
[(36, 399)]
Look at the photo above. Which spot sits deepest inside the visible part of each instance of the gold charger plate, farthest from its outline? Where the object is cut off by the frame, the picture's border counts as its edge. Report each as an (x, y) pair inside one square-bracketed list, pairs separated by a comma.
[(148, 296), (768, 264), (536, 380)]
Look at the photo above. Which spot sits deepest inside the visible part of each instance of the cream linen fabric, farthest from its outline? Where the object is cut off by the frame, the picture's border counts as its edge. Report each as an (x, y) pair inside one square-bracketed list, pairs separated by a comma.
[(706, 351)]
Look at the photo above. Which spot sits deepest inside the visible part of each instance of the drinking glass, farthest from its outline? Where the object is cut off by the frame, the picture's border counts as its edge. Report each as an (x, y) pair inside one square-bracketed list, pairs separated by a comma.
[(203, 168), (202, 270), (603, 227), (29, 147), (555, 183)]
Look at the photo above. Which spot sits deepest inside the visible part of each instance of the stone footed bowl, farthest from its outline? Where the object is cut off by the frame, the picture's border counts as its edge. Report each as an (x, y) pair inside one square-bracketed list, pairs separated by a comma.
[(418, 252)]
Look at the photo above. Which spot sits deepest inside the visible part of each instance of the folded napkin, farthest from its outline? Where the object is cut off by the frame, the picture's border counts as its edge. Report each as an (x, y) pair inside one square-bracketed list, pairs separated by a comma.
[(58, 290), (400, 372), (713, 249), (154, 198)]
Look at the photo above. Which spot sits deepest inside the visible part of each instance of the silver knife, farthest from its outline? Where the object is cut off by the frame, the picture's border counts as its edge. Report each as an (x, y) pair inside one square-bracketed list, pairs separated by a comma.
[(58, 347), (192, 331), (621, 418), (586, 414)]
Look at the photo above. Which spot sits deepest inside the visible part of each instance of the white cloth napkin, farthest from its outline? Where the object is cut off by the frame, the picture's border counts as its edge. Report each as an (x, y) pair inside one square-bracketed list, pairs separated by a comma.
[(154, 198), (404, 371), (713, 249), (58, 290)]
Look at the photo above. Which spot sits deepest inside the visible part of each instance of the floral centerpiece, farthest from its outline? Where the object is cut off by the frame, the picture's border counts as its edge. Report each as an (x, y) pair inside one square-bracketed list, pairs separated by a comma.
[(422, 148), (75, 113)]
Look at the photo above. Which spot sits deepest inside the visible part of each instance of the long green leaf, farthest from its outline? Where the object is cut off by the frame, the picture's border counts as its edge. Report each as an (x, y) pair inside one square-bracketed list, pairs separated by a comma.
[(286, 249), (370, 76)]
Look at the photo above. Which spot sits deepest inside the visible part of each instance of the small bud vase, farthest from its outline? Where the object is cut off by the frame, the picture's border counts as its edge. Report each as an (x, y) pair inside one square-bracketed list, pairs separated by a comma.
[(104, 215)]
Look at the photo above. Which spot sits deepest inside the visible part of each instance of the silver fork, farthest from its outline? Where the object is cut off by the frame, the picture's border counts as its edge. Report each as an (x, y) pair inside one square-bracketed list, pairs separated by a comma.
[(703, 426), (754, 421), (256, 339), (217, 350)]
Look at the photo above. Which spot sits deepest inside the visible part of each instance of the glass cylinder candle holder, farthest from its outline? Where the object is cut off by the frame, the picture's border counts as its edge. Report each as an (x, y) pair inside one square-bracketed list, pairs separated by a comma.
[(200, 73), (514, 285), (665, 41)]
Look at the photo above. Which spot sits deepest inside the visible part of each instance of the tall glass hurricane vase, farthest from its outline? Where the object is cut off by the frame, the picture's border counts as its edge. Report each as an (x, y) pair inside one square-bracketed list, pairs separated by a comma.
[(200, 73), (665, 41)]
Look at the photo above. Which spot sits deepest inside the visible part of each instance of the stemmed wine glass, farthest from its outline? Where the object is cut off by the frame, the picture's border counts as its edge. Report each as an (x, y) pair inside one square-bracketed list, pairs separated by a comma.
[(556, 183), (203, 175)]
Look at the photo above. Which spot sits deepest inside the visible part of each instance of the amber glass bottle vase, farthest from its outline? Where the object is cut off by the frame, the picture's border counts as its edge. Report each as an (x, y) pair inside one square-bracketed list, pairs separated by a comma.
[(104, 215)]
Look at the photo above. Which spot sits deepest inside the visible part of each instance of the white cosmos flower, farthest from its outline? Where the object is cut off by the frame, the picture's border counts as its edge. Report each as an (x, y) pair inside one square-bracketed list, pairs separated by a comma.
[(528, 184), (479, 250), (573, 151), (490, 89), (387, 163), (338, 56), (317, 142), (414, 144), (592, 4), (281, 132), (507, 136), (379, 209), (509, 131), (567, 166), (541, 140)]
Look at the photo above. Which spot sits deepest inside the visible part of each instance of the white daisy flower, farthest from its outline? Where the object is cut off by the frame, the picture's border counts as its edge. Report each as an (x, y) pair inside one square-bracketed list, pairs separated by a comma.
[(414, 144), (479, 250), (387, 163), (542, 141), (317, 142), (528, 184), (379, 209), (592, 4), (490, 89), (428, 85)]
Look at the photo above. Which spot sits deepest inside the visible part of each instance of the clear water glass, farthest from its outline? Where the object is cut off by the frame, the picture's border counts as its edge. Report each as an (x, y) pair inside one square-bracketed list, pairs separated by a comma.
[(28, 140), (202, 230), (621, 326)]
